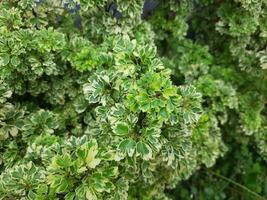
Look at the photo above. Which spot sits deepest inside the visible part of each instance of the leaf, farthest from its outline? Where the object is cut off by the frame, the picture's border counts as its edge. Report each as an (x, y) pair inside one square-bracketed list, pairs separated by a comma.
[(31, 195), (111, 172), (91, 161), (80, 105), (90, 195), (70, 196), (127, 146), (144, 150), (63, 161), (64, 185), (15, 61), (121, 129), (81, 153), (13, 131), (4, 59), (80, 191)]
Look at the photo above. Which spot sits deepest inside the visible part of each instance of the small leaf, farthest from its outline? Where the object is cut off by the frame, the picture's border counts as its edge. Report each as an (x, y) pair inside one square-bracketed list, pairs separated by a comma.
[(90, 195), (13, 131), (94, 163), (91, 161), (80, 105), (64, 161), (144, 150), (81, 153), (121, 129), (110, 172), (4, 59), (64, 186), (70, 196), (15, 61), (31, 195)]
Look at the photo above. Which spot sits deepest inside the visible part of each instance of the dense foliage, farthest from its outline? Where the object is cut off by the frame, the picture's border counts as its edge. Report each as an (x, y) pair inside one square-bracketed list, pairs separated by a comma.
[(133, 99)]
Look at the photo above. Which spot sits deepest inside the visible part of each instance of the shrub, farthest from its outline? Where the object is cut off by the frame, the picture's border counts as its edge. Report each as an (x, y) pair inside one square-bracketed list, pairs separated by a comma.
[(126, 99)]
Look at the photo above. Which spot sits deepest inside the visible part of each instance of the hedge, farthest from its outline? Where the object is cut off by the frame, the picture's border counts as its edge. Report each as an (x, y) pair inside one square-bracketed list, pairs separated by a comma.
[(127, 99)]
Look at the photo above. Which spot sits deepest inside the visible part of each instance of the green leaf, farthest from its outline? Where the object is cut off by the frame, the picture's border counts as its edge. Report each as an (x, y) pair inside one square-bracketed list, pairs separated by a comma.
[(64, 185), (127, 146), (70, 196), (81, 153), (31, 195), (91, 159), (90, 195), (13, 131), (4, 59), (144, 150), (15, 61), (64, 161), (111, 172), (121, 129)]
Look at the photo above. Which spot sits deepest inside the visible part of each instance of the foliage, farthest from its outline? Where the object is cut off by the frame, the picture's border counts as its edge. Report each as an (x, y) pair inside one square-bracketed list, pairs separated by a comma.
[(129, 99)]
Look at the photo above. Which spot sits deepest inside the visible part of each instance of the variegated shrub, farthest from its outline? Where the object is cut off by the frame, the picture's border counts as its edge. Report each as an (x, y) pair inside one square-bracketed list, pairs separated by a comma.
[(112, 100)]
